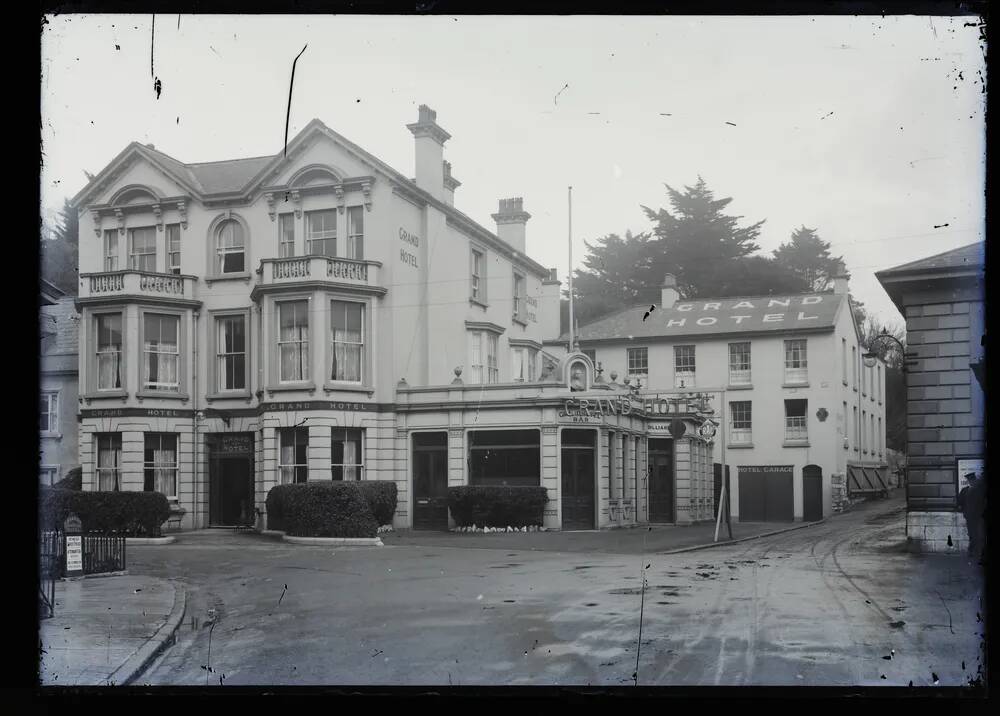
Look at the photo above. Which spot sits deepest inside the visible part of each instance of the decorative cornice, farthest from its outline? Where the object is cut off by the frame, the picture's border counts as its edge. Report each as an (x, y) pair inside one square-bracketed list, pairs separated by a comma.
[(120, 215), (524, 342), (182, 209), (366, 189), (484, 326), (96, 217), (429, 129), (269, 198), (338, 191), (158, 213), (296, 198)]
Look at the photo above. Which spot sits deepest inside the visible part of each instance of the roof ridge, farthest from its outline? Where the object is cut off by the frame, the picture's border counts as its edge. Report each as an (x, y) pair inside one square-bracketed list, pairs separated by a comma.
[(223, 161), (901, 267)]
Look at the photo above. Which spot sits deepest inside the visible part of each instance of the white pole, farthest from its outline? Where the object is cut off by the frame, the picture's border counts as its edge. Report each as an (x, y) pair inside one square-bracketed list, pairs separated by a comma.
[(722, 496), (571, 332)]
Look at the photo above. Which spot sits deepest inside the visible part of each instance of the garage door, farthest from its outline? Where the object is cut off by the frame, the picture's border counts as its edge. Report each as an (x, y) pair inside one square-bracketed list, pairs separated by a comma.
[(766, 493)]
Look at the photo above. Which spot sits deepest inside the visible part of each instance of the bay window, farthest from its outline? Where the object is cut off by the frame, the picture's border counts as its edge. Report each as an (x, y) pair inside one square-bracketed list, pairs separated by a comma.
[(523, 361), (109, 351), (346, 456), (321, 232), (293, 455), (483, 357), (161, 353), (293, 341), (348, 348), (109, 462), (160, 464)]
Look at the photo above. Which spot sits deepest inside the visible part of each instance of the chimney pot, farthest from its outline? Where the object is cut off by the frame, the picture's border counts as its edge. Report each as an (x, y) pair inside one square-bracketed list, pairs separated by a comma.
[(668, 291)]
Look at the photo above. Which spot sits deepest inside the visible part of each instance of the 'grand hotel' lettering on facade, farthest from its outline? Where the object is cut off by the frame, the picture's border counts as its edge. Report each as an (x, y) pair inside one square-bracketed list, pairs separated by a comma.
[(738, 318)]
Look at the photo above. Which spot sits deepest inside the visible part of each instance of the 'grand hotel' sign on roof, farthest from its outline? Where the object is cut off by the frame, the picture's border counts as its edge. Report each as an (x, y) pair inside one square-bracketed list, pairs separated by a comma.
[(748, 310)]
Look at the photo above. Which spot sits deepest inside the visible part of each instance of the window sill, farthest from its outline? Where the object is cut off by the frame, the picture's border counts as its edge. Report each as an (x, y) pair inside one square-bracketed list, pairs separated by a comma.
[(230, 395), (122, 394), (243, 276), (796, 385), (519, 321), (162, 394), (795, 443), (302, 385), (739, 446), (54, 436), (333, 387), (741, 386), (477, 302)]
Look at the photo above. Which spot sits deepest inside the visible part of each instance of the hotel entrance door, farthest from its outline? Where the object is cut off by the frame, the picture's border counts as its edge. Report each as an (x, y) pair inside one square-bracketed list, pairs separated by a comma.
[(230, 479), (430, 481), (661, 480), (578, 479)]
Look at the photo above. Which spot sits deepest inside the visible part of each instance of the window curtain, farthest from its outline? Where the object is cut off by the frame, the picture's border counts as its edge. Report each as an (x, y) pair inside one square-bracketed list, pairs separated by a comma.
[(294, 335), (108, 464), (475, 357), (161, 350), (347, 341), (164, 469)]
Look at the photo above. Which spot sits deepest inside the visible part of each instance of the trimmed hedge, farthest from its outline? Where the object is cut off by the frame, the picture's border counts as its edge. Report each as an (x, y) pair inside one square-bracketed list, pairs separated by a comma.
[(137, 514), (381, 498), (320, 509), (496, 506), (72, 481)]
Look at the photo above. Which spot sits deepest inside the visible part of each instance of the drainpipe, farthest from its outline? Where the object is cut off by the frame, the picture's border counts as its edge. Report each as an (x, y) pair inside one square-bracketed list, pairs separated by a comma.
[(194, 405)]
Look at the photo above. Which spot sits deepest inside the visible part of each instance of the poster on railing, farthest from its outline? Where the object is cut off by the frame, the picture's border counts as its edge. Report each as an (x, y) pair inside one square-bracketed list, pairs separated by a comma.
[(74, 554)]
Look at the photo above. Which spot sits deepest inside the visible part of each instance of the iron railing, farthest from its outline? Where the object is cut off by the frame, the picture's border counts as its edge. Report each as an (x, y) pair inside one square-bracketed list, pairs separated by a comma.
[(48, 572), (102, 552)]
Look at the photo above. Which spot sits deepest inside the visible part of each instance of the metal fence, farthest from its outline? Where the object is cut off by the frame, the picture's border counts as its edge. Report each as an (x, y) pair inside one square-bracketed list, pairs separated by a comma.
[(102, 552), (49, 571)]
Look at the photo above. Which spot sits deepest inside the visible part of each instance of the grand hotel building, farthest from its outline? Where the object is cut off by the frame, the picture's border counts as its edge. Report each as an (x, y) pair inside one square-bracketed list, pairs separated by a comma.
[(317, 315)]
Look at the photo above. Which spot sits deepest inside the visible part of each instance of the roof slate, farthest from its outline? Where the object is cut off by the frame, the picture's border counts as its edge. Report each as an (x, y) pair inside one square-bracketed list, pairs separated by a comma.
[(62, 319), (717, 316), (969, 256)]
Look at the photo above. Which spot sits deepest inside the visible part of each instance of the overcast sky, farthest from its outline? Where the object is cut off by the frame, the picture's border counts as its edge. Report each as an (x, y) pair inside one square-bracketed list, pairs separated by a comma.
[(870, 130)]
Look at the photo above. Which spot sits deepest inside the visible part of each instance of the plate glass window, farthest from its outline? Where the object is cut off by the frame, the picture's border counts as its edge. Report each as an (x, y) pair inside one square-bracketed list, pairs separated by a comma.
[(356, 232), (109, 462), (111, 249), (740, 423), (638, 363), (142, 249), (739, 363), (321, 232), (49, 413), (348, 354), (231, 247), (347, 462), (160, 352), (109, 352), (795, 420), (173, 248), (684, 368), (293, 340), (231, 358), (796, 362), (293, 453), (160, 464), (286, 236)]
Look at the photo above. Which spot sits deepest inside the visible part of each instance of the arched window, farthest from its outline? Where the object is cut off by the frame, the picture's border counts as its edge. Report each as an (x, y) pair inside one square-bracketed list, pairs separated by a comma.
[(230, 245)]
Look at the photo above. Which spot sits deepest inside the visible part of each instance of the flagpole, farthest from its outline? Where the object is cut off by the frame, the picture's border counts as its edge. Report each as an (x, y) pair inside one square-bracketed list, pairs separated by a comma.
[(571, 332)]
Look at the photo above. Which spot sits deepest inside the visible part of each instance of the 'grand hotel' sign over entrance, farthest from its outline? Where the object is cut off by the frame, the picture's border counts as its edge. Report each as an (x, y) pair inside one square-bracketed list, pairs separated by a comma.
[(645, 406)]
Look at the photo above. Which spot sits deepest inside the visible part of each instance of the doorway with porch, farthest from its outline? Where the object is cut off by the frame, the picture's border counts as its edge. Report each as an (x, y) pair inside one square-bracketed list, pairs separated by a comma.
[(661, 480), (230, 479)]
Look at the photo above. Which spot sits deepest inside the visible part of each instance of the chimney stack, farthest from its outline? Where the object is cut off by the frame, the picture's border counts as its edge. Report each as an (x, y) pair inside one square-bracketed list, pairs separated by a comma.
[(840, 283), (450, 185), (668, 292), (430, 139), (511, 219)]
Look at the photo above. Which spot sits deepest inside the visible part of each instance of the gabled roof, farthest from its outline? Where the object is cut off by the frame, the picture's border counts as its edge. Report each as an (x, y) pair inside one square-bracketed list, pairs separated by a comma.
[(50, 293), (965, 257), (718, 316), (245, 176)]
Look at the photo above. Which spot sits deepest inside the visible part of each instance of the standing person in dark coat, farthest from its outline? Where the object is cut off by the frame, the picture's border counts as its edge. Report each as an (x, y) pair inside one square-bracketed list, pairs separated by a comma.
[(974, 509), (963, 507)]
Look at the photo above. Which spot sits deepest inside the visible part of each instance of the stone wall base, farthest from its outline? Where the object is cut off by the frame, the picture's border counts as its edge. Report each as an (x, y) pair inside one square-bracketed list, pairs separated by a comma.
[(932, 532)]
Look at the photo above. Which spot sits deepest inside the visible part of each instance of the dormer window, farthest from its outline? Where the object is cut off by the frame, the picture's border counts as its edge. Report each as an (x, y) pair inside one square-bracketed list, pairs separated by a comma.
[(231, 247)]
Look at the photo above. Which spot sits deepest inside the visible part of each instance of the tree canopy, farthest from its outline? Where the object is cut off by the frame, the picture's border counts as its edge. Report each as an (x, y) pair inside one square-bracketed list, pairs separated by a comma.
[(60, 251), (808, 257)]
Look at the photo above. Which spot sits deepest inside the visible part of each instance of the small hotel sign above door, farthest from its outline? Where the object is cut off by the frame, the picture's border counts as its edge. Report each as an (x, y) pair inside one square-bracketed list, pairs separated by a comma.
[(239, 444)]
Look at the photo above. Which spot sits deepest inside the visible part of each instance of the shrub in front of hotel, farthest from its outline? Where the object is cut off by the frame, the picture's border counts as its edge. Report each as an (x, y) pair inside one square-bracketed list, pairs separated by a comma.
[(137, 514), (320, 509), (497, 506), (381, 498), (72, 481)]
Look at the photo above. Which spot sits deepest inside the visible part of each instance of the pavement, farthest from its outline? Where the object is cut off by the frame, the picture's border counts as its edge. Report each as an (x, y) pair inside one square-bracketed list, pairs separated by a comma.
[(106, 630)]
